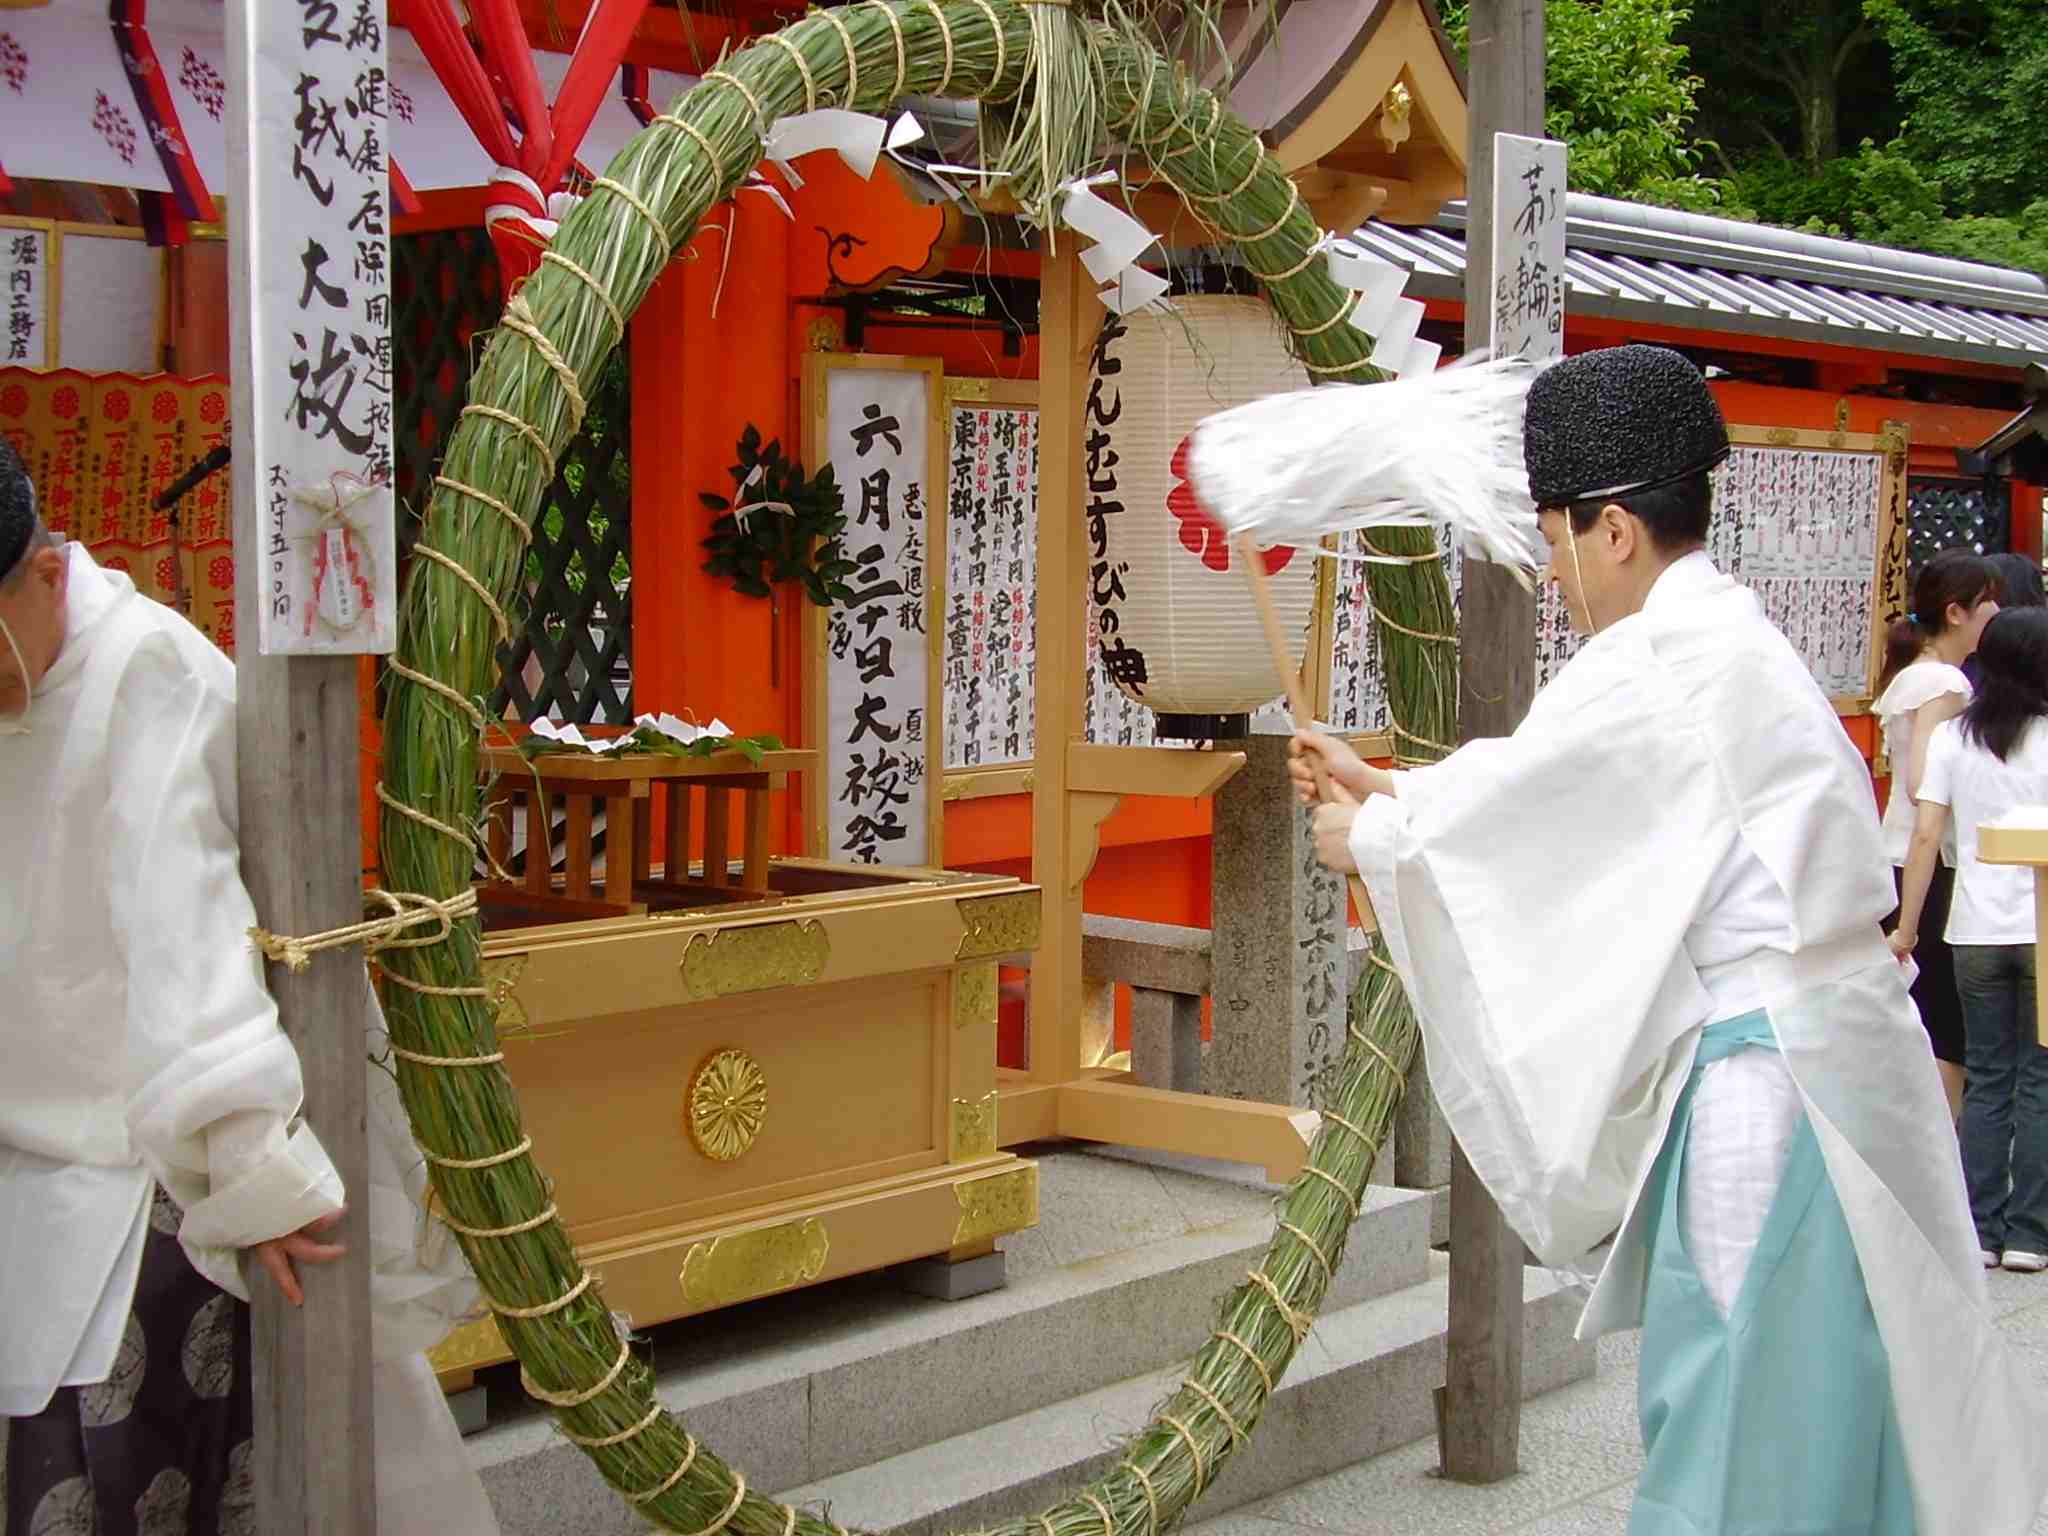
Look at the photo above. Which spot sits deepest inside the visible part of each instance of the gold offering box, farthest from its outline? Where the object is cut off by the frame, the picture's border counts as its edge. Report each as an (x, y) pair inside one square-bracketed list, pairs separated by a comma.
[(745, 1087)]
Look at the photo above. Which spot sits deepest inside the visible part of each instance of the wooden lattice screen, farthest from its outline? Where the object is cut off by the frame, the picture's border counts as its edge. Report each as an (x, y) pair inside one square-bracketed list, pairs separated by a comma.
[(1956, 514), (573, 660)]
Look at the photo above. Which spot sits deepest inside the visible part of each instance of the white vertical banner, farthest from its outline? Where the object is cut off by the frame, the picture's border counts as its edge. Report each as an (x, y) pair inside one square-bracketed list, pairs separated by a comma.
[(1528, 306), (28, 282), (316, 194), (991, 598), (1528, 247), (877, 646)]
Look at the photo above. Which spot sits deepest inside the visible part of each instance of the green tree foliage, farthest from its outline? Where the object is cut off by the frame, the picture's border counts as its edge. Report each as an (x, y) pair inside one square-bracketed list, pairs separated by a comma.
[(1620, 90), (1788, 79), (1921, 124), (1972, 79), (1940, 142)]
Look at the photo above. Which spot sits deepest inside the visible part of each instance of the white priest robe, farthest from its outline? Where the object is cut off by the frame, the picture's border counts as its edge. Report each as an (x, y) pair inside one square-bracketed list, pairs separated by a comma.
[(1551, 900), (138, 1044)]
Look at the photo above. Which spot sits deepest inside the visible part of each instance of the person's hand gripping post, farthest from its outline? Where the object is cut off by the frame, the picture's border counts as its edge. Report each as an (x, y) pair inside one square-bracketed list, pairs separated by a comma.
[(1323, 768)]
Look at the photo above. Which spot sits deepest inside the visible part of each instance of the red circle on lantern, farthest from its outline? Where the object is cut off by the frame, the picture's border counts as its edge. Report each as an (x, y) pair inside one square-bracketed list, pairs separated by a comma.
[(1200, 534), (13, 401)]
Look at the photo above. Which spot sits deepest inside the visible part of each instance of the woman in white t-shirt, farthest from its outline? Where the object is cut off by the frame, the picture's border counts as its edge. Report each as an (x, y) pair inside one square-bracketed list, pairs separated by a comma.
[(1979, 768), (1954, 596)]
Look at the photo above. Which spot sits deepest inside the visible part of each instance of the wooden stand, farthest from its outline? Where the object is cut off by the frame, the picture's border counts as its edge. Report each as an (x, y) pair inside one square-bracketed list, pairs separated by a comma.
[(1075, 788), (697, 852)]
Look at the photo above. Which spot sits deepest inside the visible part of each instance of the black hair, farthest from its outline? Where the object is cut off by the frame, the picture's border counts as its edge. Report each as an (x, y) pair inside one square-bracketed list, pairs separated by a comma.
[(2020, 578), (2013, 658), (1676, 515), (1953, 578), (19, 526)]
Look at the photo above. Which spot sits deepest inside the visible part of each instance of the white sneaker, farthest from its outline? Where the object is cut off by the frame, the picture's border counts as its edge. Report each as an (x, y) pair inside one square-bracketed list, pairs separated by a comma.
[(2025, 1263), (1989, 1257)]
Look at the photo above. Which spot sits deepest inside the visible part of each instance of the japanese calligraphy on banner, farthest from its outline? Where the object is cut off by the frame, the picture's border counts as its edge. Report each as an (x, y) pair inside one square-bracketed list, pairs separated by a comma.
[(991, 583), (315, 108), (991, 626), (1528, 246), (1358, 687), (1112, 718), (28, 287), (879, 683), (101, 447), (1807, 524)]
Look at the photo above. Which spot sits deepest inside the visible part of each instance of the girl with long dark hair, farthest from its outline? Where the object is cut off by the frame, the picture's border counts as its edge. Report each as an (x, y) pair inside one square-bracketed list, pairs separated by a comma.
[(1979, 767), (1954, 596)]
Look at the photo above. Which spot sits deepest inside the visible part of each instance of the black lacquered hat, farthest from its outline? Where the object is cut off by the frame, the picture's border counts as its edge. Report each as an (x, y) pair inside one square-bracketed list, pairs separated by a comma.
[(1618, 421)]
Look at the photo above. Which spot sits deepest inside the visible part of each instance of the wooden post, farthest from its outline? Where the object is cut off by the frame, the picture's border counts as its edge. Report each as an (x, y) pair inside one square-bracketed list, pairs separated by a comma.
[(302, 860), (1068, 316), (1480, 1426)]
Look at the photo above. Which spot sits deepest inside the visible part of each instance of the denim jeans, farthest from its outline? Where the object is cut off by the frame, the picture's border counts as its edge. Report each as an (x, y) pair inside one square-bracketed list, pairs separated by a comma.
[(2005, 1105)]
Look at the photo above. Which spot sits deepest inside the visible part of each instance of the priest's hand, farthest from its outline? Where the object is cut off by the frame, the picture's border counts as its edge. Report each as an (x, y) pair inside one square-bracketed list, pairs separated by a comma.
[(279, 1255), (1340, 765), (1333, 832)]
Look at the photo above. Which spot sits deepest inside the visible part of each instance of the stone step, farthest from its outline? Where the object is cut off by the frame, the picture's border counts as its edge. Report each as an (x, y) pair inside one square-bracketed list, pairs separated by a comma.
[(1363, 1384), (1120, 1279)]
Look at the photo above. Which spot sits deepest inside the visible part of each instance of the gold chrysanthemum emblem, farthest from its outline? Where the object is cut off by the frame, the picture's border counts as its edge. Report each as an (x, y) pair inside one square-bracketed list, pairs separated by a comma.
[(728, 1102)]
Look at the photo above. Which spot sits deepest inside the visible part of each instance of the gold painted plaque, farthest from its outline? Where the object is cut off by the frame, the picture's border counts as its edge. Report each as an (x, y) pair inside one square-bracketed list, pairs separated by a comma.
[(1004, 1202), (998, 925), (738, 1268), (728, 1102), (476, 1343), (974, 1128), (501, 982), (755, 959), (974, 995)]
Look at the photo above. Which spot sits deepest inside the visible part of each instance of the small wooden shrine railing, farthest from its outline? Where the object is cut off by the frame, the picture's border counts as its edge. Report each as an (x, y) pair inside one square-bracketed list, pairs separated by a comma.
[(711, 852)]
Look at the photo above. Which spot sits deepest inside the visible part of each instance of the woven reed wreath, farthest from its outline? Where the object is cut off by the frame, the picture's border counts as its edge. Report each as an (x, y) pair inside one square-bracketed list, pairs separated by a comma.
[(1057, 83)]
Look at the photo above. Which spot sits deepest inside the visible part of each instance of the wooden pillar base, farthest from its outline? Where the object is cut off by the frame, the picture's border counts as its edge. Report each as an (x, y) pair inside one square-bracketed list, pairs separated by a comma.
[(1275, 1137), (1479, 1420)]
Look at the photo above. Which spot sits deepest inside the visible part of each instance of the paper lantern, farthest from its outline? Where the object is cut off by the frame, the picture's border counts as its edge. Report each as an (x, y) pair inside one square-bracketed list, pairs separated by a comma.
[(1180, 632)]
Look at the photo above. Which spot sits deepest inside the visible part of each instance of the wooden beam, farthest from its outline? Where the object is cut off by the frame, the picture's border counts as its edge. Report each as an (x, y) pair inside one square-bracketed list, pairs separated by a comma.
[(1275, 1137), (1086, 812), (1480, 1425), (1171, 771), (295, 721), (985, 783), (1068, 317), (1340, 200), (1025, 1111)]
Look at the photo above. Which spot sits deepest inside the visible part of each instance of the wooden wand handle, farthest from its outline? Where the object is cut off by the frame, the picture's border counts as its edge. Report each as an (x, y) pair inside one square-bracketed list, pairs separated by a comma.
[(1297, 702)]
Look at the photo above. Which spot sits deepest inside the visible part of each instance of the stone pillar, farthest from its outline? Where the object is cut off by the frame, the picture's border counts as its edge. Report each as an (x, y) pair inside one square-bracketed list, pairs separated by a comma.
[(1278, 945), (1166, 1039)]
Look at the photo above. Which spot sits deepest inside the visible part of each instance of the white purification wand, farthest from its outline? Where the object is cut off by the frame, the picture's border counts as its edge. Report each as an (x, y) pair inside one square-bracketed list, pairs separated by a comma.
[(1440, 450)]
